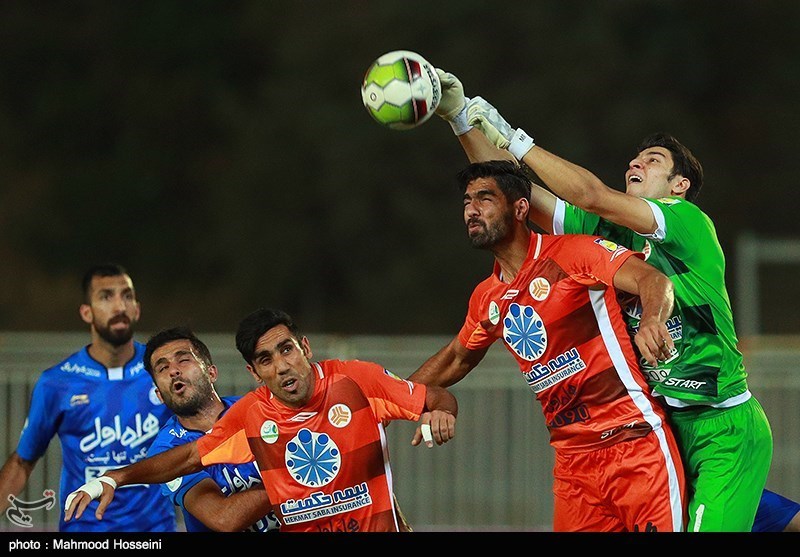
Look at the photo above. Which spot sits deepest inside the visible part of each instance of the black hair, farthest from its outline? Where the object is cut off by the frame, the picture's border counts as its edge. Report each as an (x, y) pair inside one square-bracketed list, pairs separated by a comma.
[(175, 333), (100, 270), (510, 178), (683, 161), (256, 324)]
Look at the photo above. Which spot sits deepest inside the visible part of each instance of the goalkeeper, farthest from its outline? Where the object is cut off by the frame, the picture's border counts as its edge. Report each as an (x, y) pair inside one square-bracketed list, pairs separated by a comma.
[(725, 436)]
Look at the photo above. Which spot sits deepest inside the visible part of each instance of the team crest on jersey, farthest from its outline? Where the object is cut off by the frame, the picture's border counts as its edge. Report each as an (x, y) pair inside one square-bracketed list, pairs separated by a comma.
[(610, 246), (494, 313), (524, 332), (669, 200), (153, 397), (312, 459), (340, 415), (539, 288), (269, 432)]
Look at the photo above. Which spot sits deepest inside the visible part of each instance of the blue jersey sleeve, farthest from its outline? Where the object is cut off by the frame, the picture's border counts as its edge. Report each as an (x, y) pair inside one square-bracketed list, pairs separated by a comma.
[(42, 421)]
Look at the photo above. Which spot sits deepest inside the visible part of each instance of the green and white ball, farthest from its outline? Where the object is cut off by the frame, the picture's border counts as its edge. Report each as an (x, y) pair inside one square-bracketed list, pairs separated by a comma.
[(401, 90)]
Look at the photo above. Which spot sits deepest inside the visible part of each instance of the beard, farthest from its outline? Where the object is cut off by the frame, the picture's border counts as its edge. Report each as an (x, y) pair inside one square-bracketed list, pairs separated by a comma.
[(191, 405), (115, 337), (490, 234)]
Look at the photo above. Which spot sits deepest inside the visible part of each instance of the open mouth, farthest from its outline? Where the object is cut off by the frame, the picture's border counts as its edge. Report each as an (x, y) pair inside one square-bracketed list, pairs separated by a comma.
[(634, 179), (290, 385), (178, 387)]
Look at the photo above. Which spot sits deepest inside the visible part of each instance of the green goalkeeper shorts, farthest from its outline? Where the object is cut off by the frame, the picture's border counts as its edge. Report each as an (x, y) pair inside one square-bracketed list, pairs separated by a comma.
[(727, 454)]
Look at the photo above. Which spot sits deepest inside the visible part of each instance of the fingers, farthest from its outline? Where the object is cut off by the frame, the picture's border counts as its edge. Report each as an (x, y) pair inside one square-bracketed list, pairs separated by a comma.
[(435, 427), (76, 503)]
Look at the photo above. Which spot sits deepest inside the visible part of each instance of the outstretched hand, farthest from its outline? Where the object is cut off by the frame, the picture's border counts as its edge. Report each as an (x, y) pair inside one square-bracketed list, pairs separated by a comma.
[(453, 104), (437, 426), (102, 488)]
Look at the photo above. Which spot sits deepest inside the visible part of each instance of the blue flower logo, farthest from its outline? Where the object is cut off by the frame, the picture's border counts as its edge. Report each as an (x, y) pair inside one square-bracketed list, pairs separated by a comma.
[(313, 459), (524, 332)]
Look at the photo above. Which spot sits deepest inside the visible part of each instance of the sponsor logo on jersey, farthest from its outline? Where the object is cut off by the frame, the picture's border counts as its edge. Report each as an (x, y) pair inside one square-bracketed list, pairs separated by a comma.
[(545, 375), (339, 415), (79, 400), (320, 504), (647, 250), (613, 248), (510, 294), (136, 369), (690, 384), (539, 288), (524, 332), (312, 459), (669, 200), (302, 416), (83, 370), (269, 432), (238, 479), (175, 484), (139, 431), (494, 313)]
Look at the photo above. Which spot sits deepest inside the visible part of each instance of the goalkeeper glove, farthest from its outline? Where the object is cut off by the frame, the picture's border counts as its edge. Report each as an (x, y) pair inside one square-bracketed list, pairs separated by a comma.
[(482, 115), (453, 105)]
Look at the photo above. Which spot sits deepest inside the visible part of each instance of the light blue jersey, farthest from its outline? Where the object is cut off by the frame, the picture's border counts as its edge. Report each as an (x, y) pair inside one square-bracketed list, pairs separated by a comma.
[(231, 478), (104, 419)]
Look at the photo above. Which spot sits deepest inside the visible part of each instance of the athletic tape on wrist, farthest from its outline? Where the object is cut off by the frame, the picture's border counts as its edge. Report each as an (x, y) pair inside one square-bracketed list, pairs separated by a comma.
[(520, 144), (459, 122)]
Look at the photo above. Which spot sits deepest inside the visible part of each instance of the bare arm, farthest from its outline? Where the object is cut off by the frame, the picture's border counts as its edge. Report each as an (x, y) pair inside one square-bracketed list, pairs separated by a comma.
[(161, 468), (580, 187), (656, 293), (448, 366), (13, 477), (227, 514)]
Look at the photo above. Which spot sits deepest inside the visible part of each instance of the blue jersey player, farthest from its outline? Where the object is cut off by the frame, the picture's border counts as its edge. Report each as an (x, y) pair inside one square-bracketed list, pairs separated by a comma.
[(103, 406), (222, 497), (776, 513)]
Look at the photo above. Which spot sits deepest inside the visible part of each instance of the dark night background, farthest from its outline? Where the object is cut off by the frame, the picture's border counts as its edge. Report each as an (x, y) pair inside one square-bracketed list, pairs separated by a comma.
[(220, 150)]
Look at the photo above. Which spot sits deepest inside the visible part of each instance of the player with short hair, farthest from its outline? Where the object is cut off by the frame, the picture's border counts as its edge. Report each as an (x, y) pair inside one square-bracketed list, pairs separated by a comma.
[(724, 434), (104, 409), (551, 300), (221, 497), (316, 430)]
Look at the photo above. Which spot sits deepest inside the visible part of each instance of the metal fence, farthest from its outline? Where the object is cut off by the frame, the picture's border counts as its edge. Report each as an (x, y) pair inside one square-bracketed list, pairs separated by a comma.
[(496, 475)]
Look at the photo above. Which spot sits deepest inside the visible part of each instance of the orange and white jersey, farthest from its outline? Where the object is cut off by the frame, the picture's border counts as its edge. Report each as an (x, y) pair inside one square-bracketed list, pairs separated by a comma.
[(325, 466), (561, 320)]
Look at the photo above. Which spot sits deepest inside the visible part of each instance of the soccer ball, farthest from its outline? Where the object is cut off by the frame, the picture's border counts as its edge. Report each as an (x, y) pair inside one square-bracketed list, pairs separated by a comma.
[(401, 90)]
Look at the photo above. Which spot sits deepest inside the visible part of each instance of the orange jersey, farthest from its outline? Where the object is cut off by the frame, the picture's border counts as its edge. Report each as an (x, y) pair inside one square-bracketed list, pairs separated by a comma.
[(325, 466), (561, 320)]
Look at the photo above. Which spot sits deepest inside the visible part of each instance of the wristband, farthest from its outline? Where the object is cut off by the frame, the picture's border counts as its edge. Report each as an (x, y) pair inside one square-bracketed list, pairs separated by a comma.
[(520, 144), (459, 122)]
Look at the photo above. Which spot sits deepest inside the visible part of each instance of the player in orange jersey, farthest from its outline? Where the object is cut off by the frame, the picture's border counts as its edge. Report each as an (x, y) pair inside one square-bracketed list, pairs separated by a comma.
[(552, 301), (315, 429)]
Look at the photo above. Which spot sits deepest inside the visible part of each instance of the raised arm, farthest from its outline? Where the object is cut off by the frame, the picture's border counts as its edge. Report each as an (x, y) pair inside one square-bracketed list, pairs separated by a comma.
[(567, 180), (478, 148), (158, 469), (656, 293)]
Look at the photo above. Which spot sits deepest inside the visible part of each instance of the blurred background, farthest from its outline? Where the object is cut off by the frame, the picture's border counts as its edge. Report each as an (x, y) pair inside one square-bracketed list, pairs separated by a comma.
[(220, 151)]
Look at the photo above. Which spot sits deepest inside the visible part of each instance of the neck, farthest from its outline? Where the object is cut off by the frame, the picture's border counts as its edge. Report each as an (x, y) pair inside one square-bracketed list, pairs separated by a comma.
[(510, 255), (206, 417), (110, 355)]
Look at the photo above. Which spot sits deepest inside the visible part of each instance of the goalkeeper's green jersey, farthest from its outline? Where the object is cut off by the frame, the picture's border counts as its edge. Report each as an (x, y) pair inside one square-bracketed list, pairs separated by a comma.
[(706, 367)]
